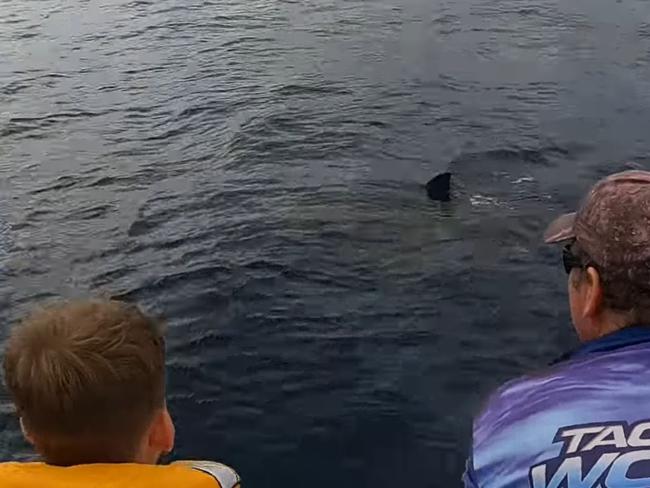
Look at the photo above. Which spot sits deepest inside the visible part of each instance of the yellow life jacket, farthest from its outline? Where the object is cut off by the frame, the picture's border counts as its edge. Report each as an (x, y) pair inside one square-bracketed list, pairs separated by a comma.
[(184, 474)]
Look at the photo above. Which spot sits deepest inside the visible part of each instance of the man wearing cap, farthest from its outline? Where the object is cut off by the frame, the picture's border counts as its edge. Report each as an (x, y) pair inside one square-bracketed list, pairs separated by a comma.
[(584, 422)]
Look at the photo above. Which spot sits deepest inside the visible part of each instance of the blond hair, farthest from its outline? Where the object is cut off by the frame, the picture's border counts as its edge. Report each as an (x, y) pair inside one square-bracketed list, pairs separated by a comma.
[(87, 378)]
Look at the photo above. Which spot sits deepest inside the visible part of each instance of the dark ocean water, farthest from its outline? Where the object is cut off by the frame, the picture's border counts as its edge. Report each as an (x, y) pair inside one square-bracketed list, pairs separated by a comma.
[(252, 171)]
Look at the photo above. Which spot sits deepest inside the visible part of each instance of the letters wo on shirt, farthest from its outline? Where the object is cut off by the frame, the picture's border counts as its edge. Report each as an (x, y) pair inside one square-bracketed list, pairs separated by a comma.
[(614, 455)]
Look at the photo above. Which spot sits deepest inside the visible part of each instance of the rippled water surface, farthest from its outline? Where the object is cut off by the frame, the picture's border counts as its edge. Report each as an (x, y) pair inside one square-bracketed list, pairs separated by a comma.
[(252, 170)]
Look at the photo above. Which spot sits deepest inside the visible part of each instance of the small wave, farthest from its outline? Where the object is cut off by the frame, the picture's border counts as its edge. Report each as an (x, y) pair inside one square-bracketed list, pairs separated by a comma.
[(5, 239), (529, 11), (197, 109), (247, 40), (293, 90), (90, 213), (644, 30), (24, 83), (484, 201), (38, 214), (58, 116), (523, 179), (446, 19), (447, 24), (106, 278), (33, 126), (139, 3), (540, 156), (168, 134), (204, 273), (61, 183), (28, 35), (14, 87), (146, 69), (144, 176), (448, 82)]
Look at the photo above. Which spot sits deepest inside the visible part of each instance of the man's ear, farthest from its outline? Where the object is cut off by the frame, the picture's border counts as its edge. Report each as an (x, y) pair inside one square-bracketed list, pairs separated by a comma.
[(594, 294), (162, 433), (25, 432)]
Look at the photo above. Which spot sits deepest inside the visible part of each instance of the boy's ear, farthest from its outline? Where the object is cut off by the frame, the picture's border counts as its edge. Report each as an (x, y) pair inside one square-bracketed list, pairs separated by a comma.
[(162, 433), (25, 432)]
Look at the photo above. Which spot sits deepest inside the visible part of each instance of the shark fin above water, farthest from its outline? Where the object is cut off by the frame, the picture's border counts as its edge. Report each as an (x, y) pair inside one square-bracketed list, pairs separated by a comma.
[(438, 187)]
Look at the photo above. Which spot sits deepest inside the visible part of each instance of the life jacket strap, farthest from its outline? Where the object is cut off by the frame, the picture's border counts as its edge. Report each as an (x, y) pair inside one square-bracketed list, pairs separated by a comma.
[(225, 475)]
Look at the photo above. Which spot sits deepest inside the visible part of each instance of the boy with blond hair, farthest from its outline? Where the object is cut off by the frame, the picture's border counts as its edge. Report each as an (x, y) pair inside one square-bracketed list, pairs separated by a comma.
[(88, 382)]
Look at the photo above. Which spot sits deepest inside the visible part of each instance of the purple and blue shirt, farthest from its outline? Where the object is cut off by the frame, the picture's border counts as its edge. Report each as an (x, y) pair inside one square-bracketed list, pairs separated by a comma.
[(584, 422)]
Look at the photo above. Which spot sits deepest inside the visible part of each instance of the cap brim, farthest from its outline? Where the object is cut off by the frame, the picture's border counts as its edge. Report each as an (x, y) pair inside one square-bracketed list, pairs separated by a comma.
[(561, 229)]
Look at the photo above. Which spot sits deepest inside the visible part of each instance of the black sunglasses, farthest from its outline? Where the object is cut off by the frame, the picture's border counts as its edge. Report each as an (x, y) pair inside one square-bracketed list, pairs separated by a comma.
[(570, 260)]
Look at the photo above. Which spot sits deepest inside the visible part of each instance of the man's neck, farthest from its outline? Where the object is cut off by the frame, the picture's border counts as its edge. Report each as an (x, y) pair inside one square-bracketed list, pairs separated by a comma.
[(611, 322)]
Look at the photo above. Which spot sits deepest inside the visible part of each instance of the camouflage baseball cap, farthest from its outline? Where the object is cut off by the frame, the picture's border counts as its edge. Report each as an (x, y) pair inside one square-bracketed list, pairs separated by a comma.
[(612, 224)]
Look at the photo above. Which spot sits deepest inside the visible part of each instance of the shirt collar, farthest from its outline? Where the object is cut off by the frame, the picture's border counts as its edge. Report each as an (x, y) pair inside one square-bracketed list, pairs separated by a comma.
[(628, 336)]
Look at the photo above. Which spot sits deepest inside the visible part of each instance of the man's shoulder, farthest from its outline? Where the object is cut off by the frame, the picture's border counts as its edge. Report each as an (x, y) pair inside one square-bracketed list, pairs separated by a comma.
[(514, 396), (594, 379), (522, 422)]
